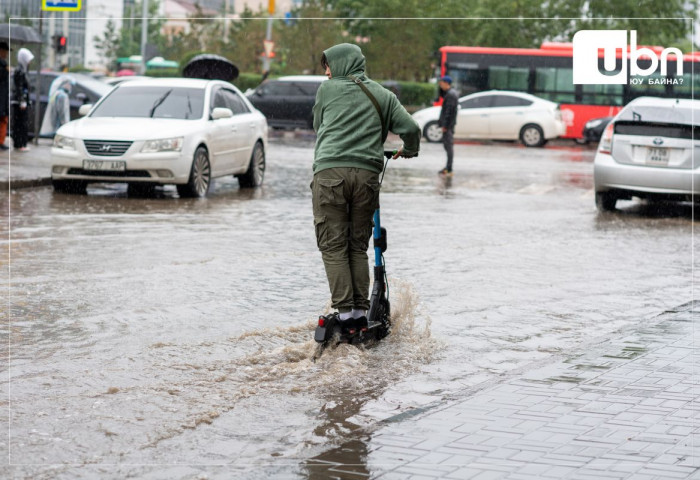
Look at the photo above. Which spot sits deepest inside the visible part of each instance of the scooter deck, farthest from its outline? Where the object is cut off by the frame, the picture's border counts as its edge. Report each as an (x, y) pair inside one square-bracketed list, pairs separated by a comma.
[(331, 334)]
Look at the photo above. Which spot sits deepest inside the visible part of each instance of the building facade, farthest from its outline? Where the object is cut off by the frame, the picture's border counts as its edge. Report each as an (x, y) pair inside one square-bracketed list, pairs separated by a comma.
[(70, 24)]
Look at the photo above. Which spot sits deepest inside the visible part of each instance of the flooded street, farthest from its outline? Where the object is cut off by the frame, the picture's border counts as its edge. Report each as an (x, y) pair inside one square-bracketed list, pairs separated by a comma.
[(171, 338)]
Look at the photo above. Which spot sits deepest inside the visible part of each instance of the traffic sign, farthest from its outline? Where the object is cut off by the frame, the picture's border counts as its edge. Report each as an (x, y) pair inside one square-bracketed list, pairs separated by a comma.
[(61, 5)]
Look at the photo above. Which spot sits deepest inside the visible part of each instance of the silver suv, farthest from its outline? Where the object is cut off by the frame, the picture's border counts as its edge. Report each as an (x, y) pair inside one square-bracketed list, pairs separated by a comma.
[(651, 150)]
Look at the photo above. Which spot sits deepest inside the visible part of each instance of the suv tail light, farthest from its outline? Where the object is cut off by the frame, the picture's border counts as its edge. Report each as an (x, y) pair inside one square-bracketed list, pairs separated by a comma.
[(606, 139)]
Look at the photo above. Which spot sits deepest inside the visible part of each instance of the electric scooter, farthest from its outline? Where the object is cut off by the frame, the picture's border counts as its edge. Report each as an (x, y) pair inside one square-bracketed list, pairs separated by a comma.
[(330, 330)]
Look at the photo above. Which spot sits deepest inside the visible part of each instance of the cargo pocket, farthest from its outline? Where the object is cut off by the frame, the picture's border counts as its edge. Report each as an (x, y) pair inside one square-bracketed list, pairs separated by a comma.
[(330, 191), (321, 230), (373, 194)]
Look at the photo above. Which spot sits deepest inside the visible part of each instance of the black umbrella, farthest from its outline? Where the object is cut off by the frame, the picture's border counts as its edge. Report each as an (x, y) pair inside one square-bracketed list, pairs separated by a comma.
[(19, 34), (210, 67)]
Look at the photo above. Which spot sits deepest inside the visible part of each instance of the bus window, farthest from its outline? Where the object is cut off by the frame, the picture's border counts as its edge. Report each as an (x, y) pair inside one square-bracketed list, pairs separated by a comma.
[(687, 83), (555, 84), (469, 80), (602, 95), (508, 78)]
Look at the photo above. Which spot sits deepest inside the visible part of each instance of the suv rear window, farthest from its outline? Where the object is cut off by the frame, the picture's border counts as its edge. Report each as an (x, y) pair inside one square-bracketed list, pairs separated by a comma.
[(650, 129)]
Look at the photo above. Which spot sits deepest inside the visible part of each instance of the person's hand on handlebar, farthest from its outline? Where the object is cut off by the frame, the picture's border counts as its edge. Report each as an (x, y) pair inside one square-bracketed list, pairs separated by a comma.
[(400, 153)]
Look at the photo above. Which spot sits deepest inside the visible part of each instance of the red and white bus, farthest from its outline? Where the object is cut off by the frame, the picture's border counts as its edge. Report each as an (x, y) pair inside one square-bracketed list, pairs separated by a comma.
[(547, 72)]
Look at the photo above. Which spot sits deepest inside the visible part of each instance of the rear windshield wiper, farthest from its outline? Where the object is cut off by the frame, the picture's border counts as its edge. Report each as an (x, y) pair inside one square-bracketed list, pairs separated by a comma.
[(159, 102)]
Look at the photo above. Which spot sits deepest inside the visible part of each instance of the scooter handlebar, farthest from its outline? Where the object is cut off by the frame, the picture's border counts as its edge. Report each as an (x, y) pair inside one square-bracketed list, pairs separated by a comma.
[(391, 153)]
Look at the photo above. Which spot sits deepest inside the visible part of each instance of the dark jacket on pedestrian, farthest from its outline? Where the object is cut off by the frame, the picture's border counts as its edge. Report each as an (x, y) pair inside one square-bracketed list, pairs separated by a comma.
[(346, 121), (4, 90), (20, 81), (448, 114)]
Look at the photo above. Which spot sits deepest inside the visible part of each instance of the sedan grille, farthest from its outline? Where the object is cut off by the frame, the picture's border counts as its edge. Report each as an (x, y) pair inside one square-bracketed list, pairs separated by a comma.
[(107, 148)]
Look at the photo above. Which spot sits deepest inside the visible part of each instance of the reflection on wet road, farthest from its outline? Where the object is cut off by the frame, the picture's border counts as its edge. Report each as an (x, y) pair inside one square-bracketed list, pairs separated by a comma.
[(168, 338)]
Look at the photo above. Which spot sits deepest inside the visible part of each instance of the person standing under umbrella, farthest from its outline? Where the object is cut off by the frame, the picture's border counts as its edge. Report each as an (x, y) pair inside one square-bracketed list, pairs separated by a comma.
[(20, 101)]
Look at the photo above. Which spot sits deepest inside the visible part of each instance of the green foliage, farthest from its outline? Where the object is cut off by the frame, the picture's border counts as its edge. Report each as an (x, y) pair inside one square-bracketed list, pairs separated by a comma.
[(400, 38), (417, 94), (302, 42), (247, 80), (79, 69), (108, 44), (130, 34), (163, 72)]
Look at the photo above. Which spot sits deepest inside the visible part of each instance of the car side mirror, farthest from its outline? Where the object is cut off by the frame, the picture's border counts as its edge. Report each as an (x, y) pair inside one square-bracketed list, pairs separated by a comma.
[(219, 112), (84, 109), (82, 97)]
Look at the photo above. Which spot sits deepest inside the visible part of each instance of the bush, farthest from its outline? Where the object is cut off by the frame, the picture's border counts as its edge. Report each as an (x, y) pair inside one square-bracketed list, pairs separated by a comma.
[(163, 72), (414, 94), (247, 80)]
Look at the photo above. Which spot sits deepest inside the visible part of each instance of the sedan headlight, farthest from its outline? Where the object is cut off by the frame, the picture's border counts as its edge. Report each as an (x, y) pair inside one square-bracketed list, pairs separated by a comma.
[(163, 145), (66, 143)]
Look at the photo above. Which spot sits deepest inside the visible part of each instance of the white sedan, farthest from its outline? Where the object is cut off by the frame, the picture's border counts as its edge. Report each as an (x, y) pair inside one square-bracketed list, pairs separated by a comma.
[(163, 131), (498, 115)]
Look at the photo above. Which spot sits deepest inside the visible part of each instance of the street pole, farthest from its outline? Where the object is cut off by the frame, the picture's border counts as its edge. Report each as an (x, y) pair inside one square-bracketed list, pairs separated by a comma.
[(268, 35), (226, 9), (37, 86), (144, 35)]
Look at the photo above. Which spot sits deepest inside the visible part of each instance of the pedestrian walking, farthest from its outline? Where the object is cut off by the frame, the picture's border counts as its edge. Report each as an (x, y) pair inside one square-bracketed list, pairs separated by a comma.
[(4, 93), (58, 110), (352, 117), (20, 100), (447, 120)]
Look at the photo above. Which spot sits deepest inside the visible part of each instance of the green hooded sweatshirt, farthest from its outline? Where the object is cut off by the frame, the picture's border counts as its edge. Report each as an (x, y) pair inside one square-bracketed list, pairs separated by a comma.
[(348, 128)]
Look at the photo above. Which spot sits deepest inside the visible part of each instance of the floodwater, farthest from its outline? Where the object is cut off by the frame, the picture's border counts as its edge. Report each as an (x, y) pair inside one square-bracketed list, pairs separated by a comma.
[(171, 338)]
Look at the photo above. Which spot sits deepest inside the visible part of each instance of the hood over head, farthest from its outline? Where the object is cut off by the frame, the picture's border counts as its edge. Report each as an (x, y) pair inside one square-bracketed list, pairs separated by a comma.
[(62, 81), (24, 56), (345, 59)]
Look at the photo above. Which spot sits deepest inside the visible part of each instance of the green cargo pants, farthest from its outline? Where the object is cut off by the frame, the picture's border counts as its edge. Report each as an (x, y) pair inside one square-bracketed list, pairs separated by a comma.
[(344, 201)]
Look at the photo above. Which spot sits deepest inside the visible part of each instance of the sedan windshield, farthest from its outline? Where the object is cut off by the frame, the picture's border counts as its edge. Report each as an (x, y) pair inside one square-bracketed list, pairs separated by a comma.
[(152, 102)]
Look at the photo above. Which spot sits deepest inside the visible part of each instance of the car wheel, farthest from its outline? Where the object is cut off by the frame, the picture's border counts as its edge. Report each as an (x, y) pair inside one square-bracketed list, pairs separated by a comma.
[(256, 169), (70, 186), (140, 189), (532, 136), (605, 201), (200, 176), (432, 132)]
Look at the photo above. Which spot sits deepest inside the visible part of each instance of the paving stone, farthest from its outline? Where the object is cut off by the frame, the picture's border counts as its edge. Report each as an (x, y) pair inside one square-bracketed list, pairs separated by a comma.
[(635, 420)]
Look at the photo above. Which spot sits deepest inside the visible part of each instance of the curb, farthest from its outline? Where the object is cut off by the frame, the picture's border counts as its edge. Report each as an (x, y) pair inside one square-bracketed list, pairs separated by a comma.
[(29, 183)]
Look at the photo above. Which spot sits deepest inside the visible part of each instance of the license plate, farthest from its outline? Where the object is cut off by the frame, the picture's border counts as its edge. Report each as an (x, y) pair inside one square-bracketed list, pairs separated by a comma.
[(658, 156), (104, 165)]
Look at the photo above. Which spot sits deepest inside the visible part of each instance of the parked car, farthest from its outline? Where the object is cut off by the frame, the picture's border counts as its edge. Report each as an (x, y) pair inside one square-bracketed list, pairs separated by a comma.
[(649, 150), (85, 90), (498, 115), (177, 131), (593, 129), (287, 102)]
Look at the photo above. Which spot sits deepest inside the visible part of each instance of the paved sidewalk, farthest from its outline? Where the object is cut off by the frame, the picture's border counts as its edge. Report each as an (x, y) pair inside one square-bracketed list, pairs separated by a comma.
[(25, 169), (623, 409)]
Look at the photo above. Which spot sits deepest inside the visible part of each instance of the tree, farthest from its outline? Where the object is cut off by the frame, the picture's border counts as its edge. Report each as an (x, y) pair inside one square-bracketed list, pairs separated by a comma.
[(667, 23), (108, 44), (130, 34), (301, 41)]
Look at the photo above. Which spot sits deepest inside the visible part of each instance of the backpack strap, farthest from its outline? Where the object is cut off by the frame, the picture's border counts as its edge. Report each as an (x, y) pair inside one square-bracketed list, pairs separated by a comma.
[(385, 132)]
